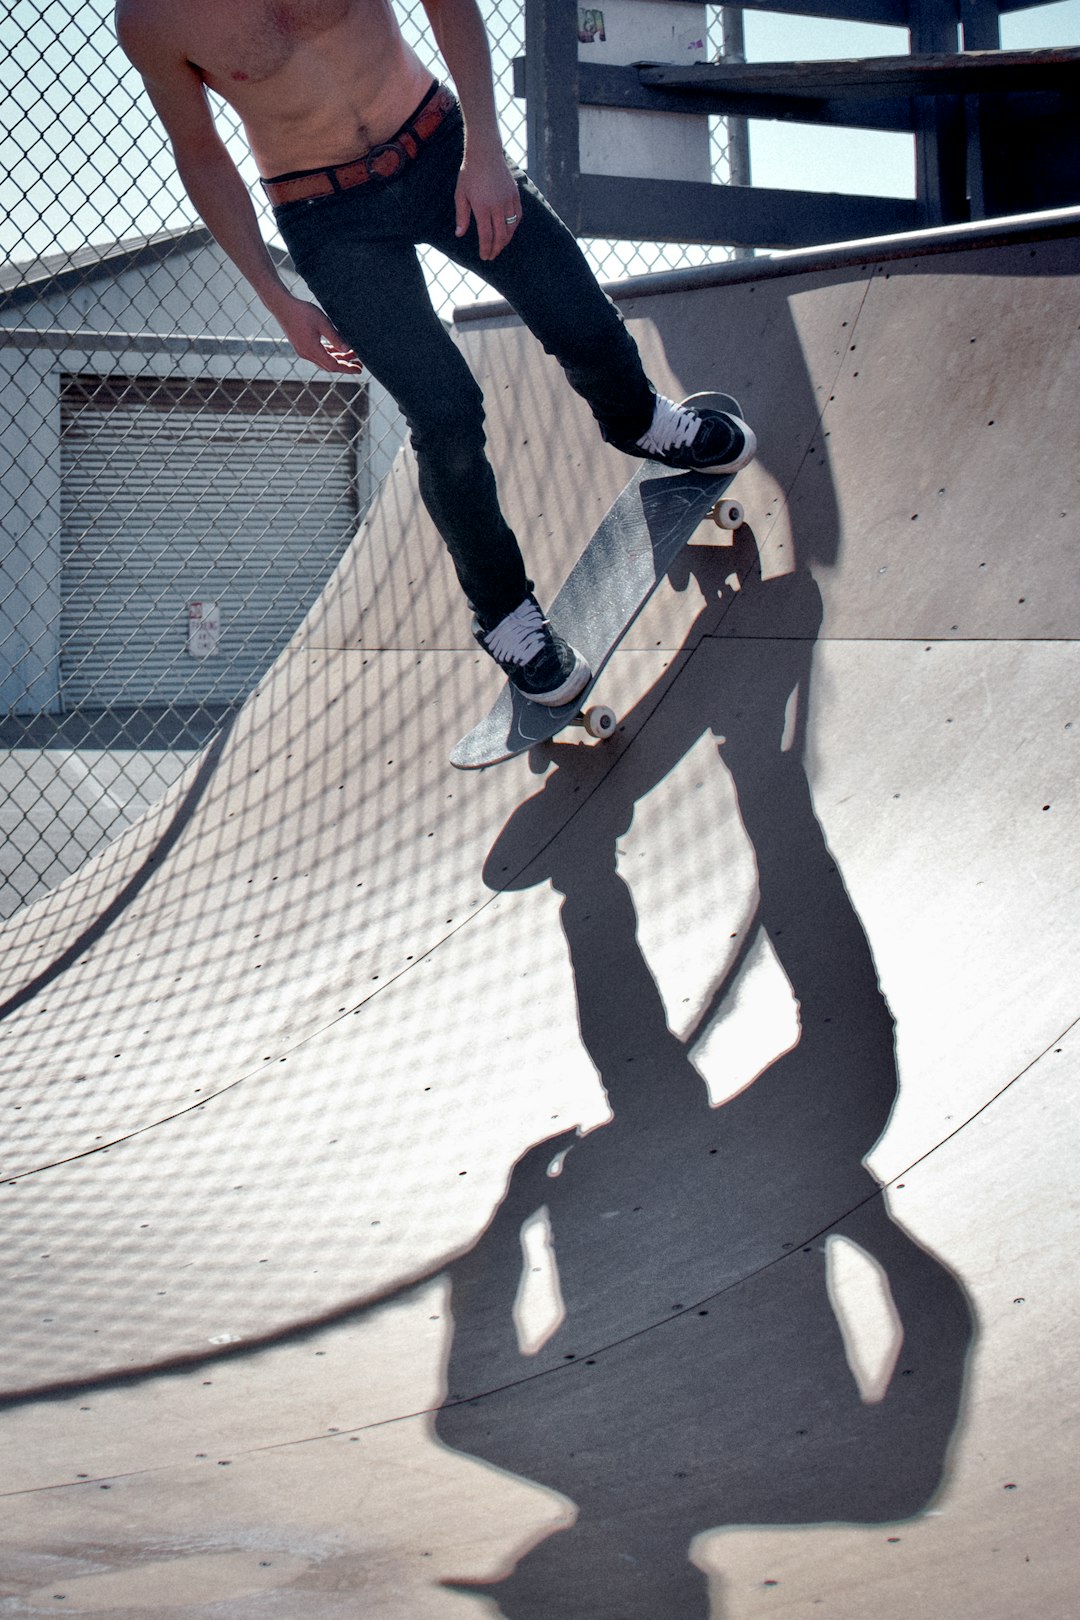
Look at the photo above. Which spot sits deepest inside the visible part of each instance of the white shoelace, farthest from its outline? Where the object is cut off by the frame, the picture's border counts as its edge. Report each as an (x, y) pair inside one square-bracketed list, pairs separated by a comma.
[(670, 429), (519, 637)]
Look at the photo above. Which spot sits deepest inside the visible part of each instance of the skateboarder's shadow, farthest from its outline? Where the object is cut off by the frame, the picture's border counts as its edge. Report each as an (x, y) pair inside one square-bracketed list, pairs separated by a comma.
[(710, 1384)]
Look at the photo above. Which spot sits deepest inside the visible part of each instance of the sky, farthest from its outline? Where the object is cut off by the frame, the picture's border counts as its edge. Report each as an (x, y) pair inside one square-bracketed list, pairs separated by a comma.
[(82, 158)]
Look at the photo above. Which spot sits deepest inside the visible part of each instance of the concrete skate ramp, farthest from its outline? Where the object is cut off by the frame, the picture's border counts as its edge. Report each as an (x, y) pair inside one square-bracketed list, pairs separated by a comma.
[(639, 1180)]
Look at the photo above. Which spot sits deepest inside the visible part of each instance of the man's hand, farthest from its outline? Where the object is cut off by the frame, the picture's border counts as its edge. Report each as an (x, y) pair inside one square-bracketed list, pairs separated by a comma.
[(486, 189), (487, 192), (312, 336)]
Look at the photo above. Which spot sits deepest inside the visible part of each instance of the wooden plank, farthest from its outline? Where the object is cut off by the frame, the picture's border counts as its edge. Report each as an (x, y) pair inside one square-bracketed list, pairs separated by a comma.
[(932, 74), (890, 12), (607, 86), (980, 25), (753, 90), (733, 216), (940, 125)]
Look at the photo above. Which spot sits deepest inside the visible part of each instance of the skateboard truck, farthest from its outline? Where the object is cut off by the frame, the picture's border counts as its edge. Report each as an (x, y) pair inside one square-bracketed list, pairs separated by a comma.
[(596, 721)]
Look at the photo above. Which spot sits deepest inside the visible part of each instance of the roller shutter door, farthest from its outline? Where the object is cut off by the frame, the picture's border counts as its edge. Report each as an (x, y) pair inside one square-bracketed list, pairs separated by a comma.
[(178, 491)]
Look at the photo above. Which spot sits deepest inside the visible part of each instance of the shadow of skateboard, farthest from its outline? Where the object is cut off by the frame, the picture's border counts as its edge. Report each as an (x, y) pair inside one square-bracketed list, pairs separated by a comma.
[(633, 547)]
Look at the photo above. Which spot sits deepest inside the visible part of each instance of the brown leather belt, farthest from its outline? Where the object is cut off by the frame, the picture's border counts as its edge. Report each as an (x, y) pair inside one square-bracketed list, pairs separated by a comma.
[(383, 161)]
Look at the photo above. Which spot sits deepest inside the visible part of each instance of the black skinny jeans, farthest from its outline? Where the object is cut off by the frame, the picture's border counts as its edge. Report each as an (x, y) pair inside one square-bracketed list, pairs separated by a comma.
[(357, 252)]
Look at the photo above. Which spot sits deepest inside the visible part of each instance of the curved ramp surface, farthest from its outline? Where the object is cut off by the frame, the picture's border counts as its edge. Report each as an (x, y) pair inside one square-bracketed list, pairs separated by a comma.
[(637, 1180)]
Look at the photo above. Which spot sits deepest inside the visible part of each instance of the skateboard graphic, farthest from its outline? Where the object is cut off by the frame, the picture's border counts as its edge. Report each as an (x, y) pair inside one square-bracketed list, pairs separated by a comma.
[(628, 556)]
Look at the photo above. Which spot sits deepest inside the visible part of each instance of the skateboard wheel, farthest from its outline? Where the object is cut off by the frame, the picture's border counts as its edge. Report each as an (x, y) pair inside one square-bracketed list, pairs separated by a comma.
[(599, 721), (727, 514)]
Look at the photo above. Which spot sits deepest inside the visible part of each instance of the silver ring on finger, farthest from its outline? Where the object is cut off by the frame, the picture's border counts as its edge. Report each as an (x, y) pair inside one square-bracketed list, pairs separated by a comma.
[(512, 219)]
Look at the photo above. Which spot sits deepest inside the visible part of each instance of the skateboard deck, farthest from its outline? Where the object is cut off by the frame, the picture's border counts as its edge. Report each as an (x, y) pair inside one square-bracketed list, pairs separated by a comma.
[(628, 556)]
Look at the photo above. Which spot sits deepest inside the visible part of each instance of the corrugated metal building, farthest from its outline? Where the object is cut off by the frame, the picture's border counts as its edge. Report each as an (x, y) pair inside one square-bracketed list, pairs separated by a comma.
[(175, 484)]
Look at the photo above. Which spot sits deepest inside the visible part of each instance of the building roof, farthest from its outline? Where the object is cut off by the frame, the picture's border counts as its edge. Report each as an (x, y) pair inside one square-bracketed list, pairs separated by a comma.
[(21, 281)]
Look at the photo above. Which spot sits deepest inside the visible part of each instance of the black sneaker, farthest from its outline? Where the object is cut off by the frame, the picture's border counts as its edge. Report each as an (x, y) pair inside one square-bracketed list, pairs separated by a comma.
[(533, 657), (699, 440)]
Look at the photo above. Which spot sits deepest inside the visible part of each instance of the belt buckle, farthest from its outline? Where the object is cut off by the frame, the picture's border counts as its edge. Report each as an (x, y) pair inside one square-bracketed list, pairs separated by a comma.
[(393, 149)]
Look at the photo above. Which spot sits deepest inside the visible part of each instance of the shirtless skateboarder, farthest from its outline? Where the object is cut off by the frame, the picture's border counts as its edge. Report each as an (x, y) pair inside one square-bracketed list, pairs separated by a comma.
[(364, 155)]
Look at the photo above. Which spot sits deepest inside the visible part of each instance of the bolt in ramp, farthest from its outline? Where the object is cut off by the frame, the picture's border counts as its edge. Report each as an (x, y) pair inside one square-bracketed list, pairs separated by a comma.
[(636, 1180)]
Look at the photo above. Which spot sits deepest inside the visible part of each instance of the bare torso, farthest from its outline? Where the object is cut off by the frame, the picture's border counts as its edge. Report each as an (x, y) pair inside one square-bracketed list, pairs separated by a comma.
[(314, 82)]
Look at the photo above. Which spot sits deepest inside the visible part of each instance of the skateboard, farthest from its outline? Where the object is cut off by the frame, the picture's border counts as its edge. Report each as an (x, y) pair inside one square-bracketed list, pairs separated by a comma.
[(630, 553)]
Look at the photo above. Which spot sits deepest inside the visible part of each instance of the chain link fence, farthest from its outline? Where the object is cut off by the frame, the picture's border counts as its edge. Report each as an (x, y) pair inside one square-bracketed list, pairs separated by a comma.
[(175, 486)]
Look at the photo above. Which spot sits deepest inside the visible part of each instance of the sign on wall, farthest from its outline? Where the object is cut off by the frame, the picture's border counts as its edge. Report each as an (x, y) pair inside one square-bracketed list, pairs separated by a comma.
[(204, 629)]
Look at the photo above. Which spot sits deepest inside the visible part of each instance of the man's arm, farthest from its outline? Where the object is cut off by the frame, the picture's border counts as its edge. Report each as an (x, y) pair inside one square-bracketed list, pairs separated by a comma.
[(486, 189), (213, 183)]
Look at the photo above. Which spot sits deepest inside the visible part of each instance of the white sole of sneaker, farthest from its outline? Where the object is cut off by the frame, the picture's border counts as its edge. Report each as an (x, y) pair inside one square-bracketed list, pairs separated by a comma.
[(575, 682), (749, 451)]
